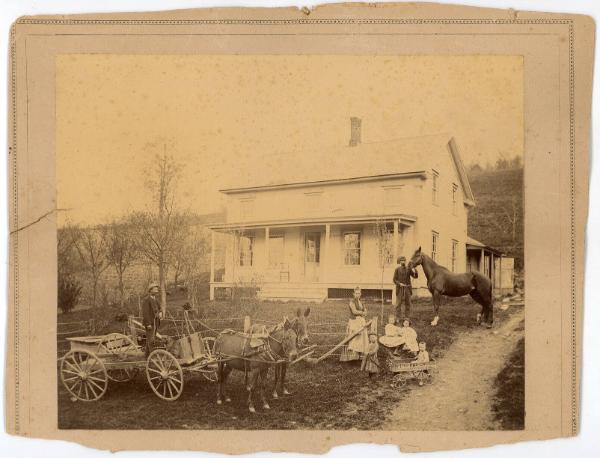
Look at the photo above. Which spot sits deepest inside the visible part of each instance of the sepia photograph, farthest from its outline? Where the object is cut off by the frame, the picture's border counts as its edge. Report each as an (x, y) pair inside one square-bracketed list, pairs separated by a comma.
[(290, 242)]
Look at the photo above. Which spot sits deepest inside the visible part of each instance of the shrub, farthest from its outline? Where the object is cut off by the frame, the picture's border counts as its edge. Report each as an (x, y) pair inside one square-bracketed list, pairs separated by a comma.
[(68, 294)]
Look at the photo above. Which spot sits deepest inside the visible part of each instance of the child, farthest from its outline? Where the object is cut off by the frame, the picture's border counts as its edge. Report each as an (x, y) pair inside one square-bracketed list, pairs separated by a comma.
[(409, 337), (392, 336), (423, 355), (370, 362)]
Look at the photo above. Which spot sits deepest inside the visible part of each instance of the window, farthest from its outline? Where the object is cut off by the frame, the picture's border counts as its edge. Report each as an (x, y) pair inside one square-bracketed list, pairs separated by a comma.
[(454, 255), (246, 207), (392, 196), (313, 201), (386, 245), (434, 179), (352, 248), (454, 197), (434, 245), (276, 252), (246, 247)]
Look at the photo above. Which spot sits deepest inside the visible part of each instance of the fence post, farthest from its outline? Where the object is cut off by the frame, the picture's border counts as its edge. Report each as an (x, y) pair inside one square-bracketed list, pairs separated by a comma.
[(246, 323)]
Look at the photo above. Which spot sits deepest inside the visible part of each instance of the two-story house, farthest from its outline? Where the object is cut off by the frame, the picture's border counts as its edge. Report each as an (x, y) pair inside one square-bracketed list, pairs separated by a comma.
[(342, 220)]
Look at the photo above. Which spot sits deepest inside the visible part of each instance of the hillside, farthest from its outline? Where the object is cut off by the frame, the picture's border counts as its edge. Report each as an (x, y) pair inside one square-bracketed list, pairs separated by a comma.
[(497, 219)]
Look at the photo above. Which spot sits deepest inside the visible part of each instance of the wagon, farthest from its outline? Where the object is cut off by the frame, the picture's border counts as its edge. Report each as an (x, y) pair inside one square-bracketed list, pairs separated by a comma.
[(93, 361), (407, 370)]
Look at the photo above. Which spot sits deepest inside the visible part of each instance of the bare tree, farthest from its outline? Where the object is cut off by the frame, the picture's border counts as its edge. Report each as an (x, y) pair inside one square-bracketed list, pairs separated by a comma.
[(92, 249), (121, 251), (190, 262), (66, 238), (385, 250), (160, 230)]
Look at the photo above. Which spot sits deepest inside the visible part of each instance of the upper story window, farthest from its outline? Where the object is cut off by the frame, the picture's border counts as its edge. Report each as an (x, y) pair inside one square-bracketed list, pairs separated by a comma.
[(454, 197), (246, 207), (352, 248), (313, 200), (454, 258), (246, 250), (392, 196), (434, 190), (435, 237)]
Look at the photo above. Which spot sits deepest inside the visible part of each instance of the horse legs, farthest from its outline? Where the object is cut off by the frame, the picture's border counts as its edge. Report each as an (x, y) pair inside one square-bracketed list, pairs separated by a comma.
[(277, 376), (436, 298), (252, 382), (263, 379), (223, 371), (487, 309), (283, 371)]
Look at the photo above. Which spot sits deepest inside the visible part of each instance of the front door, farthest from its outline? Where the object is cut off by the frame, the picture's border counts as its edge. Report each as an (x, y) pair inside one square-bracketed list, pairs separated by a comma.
[(312, 255)]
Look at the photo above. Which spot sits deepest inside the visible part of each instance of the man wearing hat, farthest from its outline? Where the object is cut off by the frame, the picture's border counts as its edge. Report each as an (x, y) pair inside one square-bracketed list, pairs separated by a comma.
[(151, 315), (402, 280)]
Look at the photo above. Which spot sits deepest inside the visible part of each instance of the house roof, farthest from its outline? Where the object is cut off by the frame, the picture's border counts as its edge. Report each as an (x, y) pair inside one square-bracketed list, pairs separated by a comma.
[(329, 165)]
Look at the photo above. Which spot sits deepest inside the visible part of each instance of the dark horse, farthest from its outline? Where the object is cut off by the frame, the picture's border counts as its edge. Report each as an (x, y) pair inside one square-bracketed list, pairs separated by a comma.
[(442, 282), (235, 351)]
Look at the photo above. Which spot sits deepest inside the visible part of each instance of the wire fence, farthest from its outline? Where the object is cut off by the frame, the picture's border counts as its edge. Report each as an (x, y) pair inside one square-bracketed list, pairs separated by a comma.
[(323, 335)]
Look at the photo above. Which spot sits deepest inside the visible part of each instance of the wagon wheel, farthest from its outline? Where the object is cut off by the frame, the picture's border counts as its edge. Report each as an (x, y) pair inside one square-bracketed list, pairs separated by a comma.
[(125, 374), (210, 370), (84, 375), (119, 344), (164, 374), (422, 377), (399, 380)]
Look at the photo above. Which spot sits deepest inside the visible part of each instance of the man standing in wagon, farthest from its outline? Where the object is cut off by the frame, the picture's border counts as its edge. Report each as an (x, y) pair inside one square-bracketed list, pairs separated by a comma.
[(151, 315), (402, 280)]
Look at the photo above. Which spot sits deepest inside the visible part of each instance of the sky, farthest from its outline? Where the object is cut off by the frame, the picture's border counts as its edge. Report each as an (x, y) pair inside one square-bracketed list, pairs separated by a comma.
[(221, 115)]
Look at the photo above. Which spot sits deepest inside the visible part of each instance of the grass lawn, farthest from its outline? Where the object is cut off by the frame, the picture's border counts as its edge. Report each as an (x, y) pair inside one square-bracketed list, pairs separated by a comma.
[(329, 395)]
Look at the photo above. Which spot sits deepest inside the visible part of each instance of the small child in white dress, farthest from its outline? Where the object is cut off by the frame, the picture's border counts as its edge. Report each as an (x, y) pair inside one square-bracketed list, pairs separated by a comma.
[(392, 337), (409, 337), (423, 355)]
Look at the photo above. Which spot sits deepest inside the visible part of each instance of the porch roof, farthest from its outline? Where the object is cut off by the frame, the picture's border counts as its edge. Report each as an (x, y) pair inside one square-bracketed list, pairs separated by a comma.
[(473, 244), (312, 221)]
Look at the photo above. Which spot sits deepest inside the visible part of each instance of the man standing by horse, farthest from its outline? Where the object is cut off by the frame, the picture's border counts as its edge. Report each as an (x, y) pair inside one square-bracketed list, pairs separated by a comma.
[(151, 315), (402, 280)]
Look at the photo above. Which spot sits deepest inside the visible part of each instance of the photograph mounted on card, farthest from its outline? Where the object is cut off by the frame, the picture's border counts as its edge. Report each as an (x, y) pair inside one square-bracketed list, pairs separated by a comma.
[(348, 224)]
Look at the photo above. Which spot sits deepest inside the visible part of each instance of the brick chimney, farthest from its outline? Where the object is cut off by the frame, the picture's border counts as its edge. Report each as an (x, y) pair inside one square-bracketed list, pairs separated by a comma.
[(355, 127)]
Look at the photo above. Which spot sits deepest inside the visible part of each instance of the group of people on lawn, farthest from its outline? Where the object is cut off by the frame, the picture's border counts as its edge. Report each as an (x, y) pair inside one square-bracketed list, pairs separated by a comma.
[(399, 335)]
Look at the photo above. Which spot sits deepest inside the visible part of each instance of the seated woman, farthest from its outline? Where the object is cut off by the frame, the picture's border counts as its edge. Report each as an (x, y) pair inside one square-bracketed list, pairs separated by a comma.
[(358, 345), (392, 337)]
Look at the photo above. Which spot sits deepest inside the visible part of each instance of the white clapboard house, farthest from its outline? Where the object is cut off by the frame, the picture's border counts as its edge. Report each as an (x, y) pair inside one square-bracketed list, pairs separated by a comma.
[(331, 221)]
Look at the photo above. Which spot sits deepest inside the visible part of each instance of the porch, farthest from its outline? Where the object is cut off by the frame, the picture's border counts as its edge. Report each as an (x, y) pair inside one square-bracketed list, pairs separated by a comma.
[(308, 259)]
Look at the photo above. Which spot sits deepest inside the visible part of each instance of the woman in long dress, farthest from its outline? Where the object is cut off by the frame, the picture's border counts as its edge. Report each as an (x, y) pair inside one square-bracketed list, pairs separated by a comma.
[(358, 345)]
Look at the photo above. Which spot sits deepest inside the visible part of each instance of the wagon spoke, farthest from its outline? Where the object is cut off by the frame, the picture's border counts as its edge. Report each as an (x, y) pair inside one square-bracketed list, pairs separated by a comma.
[(154, 370), (70, 372), (87, 396), (169, 388), (80, 387), (92, 390), (171, 383), (156, 377), (76, 368), (101, 388), (99, 371), (74, 384), (175, 379), (68, 379), (98, 379)]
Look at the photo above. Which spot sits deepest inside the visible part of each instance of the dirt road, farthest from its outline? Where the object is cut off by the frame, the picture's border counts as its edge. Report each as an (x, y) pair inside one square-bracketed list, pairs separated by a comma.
[(462, 392)]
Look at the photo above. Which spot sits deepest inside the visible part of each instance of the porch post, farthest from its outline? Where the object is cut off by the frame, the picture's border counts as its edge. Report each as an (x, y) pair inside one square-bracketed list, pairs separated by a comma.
[(492, 272), (481, 259), (500, 275), (267, 235), (212, 266), (395, 241), (325, 257)]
